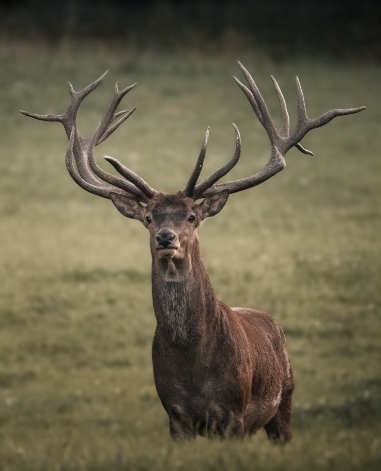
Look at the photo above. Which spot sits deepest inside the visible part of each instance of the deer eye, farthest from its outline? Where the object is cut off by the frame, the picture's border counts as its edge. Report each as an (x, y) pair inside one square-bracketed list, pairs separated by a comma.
[(148, 219), (191, 218)]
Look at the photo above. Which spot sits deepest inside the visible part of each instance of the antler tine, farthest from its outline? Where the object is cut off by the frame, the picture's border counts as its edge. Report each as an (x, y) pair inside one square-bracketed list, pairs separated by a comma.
[(303, 150), (202, 187), (251, 99), (284, 130), (305, 124), (132, 177), (45, 117), (189, 189), (267, 122), (302, 112), (119, 113), (280, 140), (114, 126)]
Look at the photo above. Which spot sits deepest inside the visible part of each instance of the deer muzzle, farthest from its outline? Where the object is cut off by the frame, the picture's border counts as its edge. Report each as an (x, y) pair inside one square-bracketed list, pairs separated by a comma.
[(166, 241)]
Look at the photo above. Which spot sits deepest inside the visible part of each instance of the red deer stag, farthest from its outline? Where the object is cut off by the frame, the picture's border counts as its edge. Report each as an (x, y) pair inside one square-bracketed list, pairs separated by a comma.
[(219, 371)]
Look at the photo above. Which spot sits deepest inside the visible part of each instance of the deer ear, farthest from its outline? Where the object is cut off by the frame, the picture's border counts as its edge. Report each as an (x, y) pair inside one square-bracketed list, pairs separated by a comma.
[(212, 205), (128, 206)]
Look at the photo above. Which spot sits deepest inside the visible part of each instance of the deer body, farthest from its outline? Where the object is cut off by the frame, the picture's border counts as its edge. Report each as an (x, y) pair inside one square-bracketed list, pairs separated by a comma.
[(218, 371)]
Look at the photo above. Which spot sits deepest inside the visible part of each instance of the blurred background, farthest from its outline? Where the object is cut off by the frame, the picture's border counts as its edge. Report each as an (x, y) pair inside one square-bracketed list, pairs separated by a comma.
[(344, 28), (76, 317)]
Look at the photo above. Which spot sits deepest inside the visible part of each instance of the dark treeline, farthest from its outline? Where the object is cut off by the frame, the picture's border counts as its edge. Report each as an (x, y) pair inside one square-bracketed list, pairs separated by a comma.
[(340, 28)]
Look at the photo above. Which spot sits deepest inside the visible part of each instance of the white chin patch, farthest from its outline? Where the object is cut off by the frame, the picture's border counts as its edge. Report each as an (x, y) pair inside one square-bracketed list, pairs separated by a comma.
[(167, 253)]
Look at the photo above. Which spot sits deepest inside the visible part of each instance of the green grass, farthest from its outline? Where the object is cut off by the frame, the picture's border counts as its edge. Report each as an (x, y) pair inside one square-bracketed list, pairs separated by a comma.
[(76, 318)]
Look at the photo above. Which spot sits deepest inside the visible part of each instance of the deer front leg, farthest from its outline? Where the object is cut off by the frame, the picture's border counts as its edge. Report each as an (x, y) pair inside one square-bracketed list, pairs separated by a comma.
[(216, 422), (180, 424), (222, 423)]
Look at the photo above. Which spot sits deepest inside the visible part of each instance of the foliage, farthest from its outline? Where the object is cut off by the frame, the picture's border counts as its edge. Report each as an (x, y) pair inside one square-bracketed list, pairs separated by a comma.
[(283, 28)]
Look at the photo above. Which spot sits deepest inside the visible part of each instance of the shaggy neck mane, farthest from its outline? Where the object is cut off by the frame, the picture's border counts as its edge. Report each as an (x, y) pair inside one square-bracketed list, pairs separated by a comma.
[(183, 298)]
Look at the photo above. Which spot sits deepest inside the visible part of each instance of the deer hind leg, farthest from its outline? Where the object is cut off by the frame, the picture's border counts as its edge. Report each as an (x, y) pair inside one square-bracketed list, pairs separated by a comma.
[(278, 429)]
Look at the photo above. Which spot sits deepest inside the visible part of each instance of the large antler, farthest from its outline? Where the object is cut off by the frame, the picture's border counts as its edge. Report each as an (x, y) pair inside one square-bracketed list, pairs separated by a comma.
[(82, 148), (281, 141)]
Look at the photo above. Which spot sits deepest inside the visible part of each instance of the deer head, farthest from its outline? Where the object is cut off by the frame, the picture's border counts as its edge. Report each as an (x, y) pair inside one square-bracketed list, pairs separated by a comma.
[(172, 220)]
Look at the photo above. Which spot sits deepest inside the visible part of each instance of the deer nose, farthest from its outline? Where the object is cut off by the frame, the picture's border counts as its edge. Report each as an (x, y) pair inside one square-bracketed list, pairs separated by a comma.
[(164, 238)]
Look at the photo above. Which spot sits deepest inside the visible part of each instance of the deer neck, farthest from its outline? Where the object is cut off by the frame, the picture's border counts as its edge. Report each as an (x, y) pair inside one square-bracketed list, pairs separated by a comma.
[(183, 298)]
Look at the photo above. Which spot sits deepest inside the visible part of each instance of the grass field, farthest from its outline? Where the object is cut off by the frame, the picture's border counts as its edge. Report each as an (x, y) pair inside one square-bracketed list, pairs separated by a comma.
[(76, 317)]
